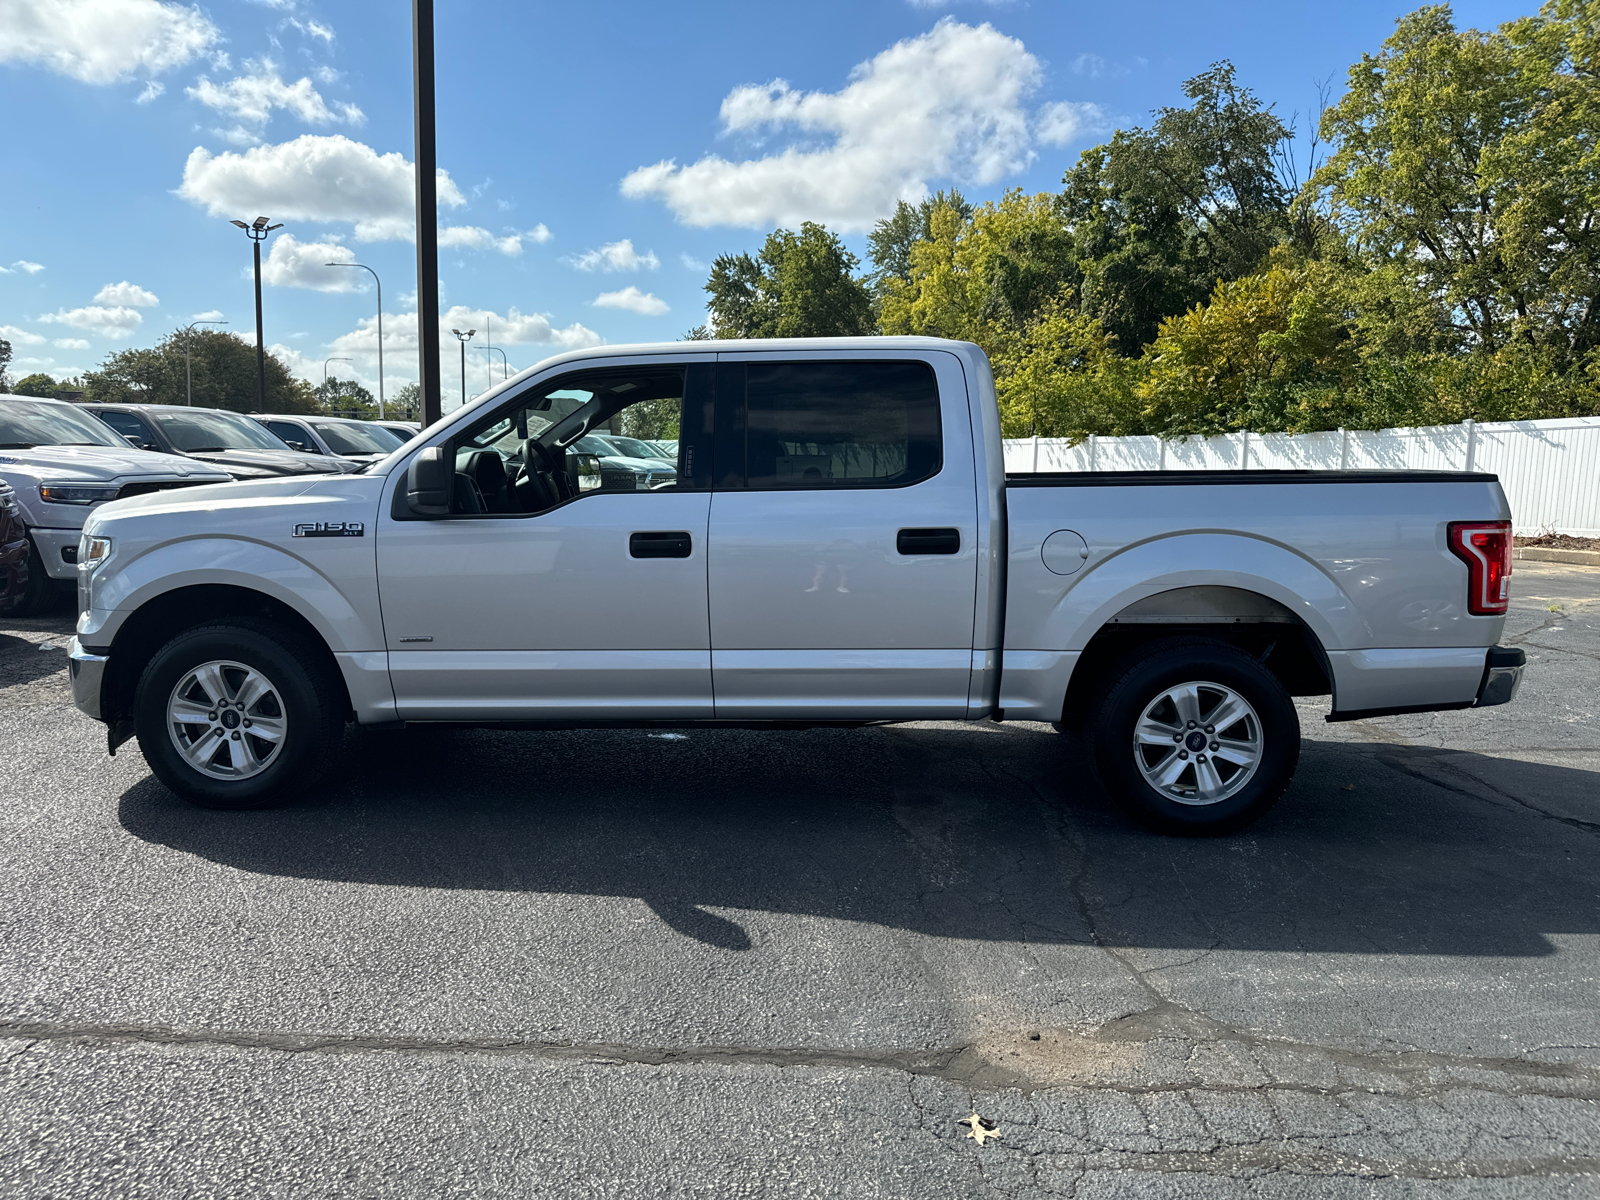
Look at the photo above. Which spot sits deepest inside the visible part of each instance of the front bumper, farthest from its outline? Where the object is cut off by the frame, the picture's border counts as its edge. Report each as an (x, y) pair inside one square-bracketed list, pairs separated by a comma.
[(1502, 676), (88, 672), (51, 544)]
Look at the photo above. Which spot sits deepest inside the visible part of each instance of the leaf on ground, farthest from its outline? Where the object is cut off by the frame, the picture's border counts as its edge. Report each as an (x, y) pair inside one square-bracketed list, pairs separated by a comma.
[(979, 1128)]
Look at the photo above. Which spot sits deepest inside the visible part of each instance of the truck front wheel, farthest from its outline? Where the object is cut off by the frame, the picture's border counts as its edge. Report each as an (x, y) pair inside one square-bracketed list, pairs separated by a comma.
[(239, 715), (1195, 737)]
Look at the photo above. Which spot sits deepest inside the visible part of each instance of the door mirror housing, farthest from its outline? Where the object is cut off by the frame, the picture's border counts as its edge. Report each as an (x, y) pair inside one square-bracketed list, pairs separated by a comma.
[(428, 483)]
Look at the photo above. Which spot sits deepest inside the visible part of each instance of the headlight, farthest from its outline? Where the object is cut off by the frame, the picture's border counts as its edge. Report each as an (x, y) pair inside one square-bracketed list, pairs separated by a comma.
[(77, 493), (9, 503), (92, 551)]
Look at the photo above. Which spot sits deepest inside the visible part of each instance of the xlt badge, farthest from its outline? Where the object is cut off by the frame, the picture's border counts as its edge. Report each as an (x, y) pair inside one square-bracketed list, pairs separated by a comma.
[(330, 529)]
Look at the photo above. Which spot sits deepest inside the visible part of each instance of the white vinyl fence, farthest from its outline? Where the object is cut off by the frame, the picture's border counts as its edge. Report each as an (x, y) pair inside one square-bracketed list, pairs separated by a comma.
[(1549, 469)]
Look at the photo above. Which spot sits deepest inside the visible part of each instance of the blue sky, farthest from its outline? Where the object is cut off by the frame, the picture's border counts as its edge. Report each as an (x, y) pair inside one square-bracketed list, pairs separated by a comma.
[(599, 155)]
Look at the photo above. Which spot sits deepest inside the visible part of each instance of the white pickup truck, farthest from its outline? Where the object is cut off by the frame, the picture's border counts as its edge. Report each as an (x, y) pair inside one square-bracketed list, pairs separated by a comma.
[(840, 543)]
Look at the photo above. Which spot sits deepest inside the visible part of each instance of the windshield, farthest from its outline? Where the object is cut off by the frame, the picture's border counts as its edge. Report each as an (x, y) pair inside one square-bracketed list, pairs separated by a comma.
[(207, 431), (593, 445), (357, 438), (24, 425)]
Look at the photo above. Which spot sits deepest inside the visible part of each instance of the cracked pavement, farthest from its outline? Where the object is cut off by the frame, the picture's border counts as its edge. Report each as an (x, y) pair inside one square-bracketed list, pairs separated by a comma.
[(616, 964)]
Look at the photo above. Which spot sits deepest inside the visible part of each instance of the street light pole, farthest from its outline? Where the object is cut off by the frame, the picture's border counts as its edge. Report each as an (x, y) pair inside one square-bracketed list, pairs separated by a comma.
[(505, 366), (463, 338), (381, 414), (325, 362), (188, 370), (257, 231)]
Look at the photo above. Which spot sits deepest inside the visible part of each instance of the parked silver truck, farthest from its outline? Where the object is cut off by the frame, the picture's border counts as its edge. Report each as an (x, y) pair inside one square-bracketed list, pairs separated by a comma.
[(840, 544)]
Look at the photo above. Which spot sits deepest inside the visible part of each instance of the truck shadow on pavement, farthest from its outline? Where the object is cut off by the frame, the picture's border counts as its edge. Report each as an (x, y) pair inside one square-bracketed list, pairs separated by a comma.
[(996, 835)]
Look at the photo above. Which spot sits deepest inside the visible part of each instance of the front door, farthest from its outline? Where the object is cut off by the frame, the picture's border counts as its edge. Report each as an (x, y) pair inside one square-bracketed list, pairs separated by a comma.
[(544, 600), (843, 560)]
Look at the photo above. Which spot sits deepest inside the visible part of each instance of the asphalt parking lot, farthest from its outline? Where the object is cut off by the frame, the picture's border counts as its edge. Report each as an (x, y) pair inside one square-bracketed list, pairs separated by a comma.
[(617, 964)]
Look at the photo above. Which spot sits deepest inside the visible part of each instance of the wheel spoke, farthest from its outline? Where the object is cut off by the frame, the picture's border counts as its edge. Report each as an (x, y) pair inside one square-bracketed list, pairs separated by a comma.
[(211, 679), (1208, 783), (268, 729), (242, 754), (1240, 754), (188, 712), (251, 690), (1153, 733), (1168, 772), (1227, 713), (201, 751), (1186, 700)]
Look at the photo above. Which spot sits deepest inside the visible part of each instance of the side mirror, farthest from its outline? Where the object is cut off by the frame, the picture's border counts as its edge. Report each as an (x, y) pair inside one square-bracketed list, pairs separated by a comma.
[(583, 471), (428, 483), (135, 442)]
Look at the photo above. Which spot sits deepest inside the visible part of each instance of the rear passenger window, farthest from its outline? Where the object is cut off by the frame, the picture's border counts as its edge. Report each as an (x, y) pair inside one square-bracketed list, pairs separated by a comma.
[(840, 424)]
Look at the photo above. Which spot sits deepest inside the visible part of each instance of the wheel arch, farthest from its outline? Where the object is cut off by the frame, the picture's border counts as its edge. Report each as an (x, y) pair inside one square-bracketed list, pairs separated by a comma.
[(164, 616)]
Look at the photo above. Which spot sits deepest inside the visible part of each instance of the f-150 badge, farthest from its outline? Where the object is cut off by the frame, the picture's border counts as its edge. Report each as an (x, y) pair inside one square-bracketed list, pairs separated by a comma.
[(330, 529)]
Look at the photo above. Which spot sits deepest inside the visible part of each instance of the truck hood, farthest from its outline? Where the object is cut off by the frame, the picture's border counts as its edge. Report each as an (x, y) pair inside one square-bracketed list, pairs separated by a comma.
[(101, 464), (253, 464)]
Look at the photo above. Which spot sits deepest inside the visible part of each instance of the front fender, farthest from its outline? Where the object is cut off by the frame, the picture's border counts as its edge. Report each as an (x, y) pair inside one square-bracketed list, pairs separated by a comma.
[(339, 600), (1084, 604)]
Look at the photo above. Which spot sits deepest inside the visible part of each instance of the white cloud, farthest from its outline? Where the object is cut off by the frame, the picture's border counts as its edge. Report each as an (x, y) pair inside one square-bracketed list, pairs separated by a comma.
[(512, 328), (947, 104), (293, 263), (214, 314), (20, 337), (1062, 123), (472, 237), (32, 268), (102, 41), (313, 178), (251, 98), (126, 294), (632, 299), (693, 263), (539, 234), (70, 343), (152, 89), (115, 322), (616, 256)]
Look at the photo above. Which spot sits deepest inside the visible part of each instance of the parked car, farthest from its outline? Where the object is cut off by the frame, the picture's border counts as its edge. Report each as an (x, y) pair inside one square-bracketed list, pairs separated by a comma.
[(234, 442), (62, 462), (358, 442), (13, 550), (404, 430), (842, 544), (623, 469)]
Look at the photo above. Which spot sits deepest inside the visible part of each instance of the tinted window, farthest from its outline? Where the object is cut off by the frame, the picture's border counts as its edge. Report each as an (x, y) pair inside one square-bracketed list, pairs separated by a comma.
[(206, 432), (128, 425), (290, 432), (358, 438), (50, 423), (842, 424)]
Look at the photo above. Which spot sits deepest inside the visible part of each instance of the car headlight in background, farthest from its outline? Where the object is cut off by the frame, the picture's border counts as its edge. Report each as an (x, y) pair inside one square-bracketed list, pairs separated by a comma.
[(92, 551), (77, 493)]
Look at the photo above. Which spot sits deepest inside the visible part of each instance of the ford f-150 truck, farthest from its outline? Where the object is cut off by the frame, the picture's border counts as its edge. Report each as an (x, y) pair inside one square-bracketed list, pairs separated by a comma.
[(840, 544)]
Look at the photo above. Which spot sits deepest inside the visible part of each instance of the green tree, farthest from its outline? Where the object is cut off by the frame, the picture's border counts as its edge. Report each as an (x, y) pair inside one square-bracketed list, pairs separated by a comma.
[(345, 398), (1467, 174), (224, 375), (406, 404), (891, 239), (5, 361), (37, 384), (800, 285)]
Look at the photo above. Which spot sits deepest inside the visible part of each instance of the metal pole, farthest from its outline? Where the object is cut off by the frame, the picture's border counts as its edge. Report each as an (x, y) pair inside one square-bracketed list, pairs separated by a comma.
[(261, 350), (463, 374), (188, 372), (427, 211), (488, 342), (381, 413)]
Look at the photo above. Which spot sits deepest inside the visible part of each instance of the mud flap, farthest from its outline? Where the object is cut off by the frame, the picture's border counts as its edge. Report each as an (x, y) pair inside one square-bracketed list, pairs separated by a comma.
[(118, 732)]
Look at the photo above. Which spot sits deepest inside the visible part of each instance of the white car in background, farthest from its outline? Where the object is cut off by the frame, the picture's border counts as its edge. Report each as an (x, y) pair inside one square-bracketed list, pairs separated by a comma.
[(62, 463)]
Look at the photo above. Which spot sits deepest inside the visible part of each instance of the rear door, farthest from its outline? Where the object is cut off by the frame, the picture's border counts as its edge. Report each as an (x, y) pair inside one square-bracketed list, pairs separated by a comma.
[(842, 550)]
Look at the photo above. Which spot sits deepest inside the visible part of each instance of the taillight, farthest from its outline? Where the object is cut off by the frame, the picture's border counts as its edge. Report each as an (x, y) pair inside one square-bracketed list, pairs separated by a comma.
[(1485, 546)]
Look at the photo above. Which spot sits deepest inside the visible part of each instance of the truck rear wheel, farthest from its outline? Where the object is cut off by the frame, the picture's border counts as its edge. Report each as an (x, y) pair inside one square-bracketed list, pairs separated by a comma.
[(239, 715), (1195, 737)]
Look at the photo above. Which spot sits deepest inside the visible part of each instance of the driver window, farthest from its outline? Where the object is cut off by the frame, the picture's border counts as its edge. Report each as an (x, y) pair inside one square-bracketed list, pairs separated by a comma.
[(577, 436)]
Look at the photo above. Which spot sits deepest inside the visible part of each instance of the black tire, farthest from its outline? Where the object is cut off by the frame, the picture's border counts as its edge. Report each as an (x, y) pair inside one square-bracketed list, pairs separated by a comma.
[(1139, 684), (39, 593), (306, 689)]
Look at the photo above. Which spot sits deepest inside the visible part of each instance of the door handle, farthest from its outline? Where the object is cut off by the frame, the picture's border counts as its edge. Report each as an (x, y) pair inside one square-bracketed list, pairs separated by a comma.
[(928, 541), (676, 544)]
